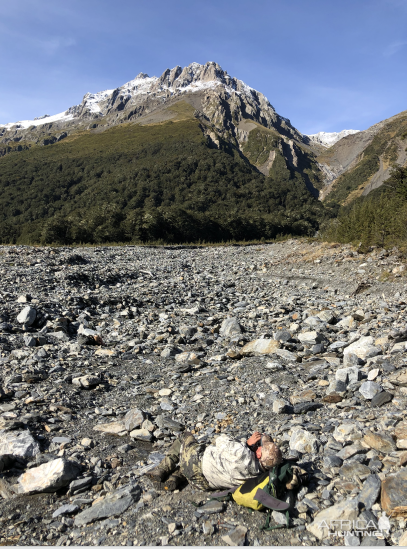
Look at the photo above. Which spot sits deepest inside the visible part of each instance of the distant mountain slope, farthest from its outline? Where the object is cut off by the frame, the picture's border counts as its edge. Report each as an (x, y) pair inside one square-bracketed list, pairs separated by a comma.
[(226, 107), (328, 139), (194, 138), (359, 163)]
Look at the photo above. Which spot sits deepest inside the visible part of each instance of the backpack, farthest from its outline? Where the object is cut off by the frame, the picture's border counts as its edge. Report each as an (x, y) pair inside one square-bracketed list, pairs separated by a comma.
[(260, 493)]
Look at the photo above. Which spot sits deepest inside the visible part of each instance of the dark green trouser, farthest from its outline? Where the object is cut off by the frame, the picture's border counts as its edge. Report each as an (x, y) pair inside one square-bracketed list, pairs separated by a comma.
[(188, 453)]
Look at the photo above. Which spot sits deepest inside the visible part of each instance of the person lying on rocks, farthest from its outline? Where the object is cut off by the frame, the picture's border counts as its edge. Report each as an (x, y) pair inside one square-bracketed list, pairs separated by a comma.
[(223, 465)]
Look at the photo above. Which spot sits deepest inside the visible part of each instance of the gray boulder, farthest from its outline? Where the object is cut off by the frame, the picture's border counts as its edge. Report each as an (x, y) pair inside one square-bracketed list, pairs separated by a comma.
[(337, 517), (21, 444), (230, 327), (48, 477), (311, 338), (27, 316), (141, 434), (369, 389), (362, 348), (113, 505), (370, 491), (133, 419), (348, 375), (86, 382)]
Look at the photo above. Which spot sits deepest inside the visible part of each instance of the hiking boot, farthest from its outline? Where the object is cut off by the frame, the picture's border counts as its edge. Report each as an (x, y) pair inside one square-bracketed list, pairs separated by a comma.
[(163, 470), (294, 482), (174, 481), (300, 478)]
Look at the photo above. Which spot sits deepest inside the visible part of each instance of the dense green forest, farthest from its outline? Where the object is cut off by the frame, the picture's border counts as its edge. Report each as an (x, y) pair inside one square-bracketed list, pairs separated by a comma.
[(378, 219), (161, 183)]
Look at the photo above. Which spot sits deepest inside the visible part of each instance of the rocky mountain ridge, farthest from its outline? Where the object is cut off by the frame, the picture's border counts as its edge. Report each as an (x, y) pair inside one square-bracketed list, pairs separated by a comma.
[(218, 98), (229, 114)]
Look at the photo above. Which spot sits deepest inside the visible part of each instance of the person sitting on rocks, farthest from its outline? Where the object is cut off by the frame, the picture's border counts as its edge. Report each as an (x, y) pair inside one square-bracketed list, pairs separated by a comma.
[(225, 464)]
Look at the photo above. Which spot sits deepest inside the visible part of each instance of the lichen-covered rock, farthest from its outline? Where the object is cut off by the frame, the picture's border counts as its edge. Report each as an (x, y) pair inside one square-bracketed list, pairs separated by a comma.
[(346, 431), (401, 430), (399, 378), (382, 442)]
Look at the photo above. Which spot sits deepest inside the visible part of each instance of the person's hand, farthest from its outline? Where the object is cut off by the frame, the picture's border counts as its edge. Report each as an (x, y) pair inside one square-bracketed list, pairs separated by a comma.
[(254, 439)]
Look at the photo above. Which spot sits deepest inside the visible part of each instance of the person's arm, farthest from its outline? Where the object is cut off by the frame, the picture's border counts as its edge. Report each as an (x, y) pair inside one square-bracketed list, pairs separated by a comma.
[(252, 442)]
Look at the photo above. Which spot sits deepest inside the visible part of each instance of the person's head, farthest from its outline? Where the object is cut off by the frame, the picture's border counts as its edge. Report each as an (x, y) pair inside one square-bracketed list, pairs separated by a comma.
[(270, 455)]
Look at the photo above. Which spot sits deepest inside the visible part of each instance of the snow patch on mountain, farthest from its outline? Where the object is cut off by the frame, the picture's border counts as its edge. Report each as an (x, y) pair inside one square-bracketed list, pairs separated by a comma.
[(24, 124), (328, 139), (177, 81), (92, 100), (139, 85)]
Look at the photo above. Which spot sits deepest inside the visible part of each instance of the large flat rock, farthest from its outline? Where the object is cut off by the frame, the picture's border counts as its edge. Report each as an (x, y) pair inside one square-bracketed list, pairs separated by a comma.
[(113, 505), (339, 517), (260, 347)]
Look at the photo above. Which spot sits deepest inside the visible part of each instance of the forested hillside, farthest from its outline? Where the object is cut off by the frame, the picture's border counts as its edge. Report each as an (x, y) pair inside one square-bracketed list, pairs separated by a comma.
[(378, 219), (162, 182)]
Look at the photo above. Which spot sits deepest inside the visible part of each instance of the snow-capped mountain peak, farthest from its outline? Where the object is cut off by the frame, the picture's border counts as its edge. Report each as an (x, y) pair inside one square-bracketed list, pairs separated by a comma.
[(193, 78), (328, 139), (224, 101)]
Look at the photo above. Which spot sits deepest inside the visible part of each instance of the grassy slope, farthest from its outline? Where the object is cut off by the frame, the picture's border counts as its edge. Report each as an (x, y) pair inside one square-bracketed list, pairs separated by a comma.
[(383, 145)]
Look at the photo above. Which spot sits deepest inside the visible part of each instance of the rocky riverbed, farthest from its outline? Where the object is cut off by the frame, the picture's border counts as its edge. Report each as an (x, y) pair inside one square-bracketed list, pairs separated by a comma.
[(108, 353)]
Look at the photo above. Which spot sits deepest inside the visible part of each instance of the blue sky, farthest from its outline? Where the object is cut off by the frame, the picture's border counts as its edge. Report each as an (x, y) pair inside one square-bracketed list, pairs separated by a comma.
[(326, 65)]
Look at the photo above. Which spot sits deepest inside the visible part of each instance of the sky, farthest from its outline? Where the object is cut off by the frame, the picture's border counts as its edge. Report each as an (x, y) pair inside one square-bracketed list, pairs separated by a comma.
[(326, 65)]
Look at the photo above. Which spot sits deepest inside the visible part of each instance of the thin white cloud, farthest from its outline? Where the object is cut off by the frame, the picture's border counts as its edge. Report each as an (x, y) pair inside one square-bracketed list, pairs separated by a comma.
[(49, 45), (54, 44), (393, 48)]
